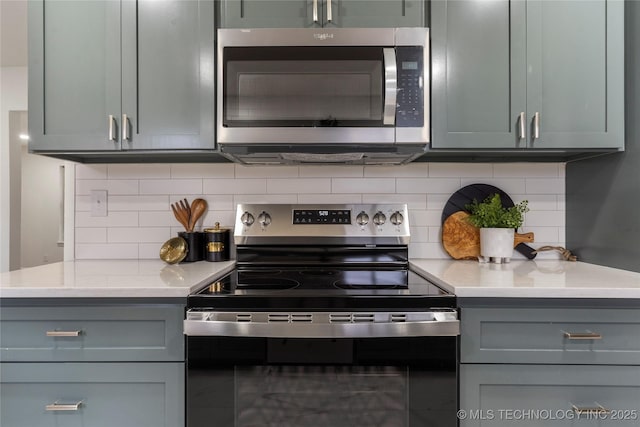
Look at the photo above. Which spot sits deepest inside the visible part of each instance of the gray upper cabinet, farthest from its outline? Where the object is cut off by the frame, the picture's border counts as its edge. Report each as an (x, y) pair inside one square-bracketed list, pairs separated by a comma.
[(321, 13), (129, 75), (527, 75)]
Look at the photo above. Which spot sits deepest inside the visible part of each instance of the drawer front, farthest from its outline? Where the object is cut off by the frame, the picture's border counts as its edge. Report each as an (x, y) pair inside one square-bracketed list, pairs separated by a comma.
[(549, 395), (135, 333), (571, 336), (92, 394)]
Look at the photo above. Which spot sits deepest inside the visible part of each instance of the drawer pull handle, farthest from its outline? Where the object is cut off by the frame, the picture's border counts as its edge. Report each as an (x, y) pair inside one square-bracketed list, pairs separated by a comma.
[(586, 410), (583, 335), (64, 333), (55, 406)]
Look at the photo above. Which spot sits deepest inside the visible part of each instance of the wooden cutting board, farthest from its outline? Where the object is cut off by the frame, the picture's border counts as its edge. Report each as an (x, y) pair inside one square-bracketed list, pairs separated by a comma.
[(461, 239)]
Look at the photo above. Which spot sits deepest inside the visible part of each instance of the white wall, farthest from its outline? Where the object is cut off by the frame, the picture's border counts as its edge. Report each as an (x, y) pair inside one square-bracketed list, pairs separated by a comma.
[(139, 217), (13, 97)]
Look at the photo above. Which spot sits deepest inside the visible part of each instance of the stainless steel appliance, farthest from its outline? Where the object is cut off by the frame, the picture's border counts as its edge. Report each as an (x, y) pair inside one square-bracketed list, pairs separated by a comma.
[(346, 95), (321, 324)]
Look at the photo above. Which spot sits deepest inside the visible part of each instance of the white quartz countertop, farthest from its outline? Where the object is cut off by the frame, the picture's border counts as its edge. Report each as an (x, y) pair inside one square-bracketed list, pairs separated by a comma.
[(529, 279), (154, 278), (110, 278)]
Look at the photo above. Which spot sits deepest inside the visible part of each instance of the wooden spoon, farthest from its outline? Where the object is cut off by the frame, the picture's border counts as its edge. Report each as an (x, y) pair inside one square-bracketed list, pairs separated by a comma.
[(198, 207), (181, 215)]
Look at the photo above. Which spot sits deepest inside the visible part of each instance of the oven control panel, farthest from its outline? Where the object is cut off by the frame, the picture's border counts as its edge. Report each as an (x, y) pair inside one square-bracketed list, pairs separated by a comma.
[(309, 224)]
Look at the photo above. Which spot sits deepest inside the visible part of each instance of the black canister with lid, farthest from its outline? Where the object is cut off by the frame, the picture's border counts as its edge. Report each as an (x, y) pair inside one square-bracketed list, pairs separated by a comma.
[(194, 245), (216, 243)]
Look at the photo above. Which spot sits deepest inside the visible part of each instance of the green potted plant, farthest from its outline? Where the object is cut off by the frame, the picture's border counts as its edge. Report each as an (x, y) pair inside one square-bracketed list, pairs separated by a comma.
[(497, 226)]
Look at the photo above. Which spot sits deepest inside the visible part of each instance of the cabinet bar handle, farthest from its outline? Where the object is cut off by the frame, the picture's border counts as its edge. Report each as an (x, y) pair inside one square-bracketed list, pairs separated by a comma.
[(536, 126), (329, 13), (112, 128), (55, 406), (522, 126), (585, 410), (583, 335), (64, 333), (315, 11), (125, 128)]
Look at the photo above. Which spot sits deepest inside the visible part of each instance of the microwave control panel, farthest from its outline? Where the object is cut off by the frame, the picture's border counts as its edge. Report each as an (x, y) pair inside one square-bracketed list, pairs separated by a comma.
[(410, 95)]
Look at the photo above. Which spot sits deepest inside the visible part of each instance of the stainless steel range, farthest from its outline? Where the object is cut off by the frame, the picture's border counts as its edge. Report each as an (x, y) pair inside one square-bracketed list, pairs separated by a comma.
[(321, 324)]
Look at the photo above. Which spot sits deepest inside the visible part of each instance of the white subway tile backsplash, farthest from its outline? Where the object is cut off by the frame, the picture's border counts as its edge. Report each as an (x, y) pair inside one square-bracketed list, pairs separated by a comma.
[(331, 171), (298, 186), (113, 219), (234, 186), (157, 219), (138, 234), (428, 185), (331, 198), (412, 170), (107, 251), (202, 170), (544, 219), (138, 171), (453, 170), (91, 171), (140, 219), (413, 201), (171, 186), (528, 170), (219, 202), (113, 186), (545, 186), (363, 185), (91, 235), (138, 203), (508, 185), (264, 198), (266, 171)]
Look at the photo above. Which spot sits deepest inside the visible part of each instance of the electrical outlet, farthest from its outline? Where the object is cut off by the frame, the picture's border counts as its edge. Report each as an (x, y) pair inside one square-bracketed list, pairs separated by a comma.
[(98, 202)]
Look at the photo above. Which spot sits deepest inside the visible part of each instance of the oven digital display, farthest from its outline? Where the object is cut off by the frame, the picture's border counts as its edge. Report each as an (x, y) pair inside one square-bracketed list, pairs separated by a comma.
[(321, 216)]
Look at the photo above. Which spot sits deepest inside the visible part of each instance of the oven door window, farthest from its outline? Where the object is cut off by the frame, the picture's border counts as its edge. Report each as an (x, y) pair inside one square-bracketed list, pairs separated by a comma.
[(303, 86), (389, 382), (336, 396)]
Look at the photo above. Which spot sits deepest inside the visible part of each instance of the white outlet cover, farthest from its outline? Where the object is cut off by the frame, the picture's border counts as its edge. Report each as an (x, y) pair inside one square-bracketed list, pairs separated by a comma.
[(98, 202)]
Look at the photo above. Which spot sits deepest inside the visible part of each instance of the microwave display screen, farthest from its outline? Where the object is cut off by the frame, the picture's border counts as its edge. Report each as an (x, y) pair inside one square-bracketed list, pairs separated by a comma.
[(409, 65)]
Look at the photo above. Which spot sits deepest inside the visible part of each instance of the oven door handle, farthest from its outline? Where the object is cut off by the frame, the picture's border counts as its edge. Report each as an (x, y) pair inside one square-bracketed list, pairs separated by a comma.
[(390, 85), (286, 329)]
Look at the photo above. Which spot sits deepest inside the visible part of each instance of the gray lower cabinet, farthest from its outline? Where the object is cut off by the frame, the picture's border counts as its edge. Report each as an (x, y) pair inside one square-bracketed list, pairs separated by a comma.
[(121, 75), (92, 394), (321, 13), (549, 395), (527, 74), (561, 366), (94, 364)]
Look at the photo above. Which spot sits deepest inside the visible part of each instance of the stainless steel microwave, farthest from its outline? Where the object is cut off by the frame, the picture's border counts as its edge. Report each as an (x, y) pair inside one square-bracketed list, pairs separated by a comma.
[(346, 95)]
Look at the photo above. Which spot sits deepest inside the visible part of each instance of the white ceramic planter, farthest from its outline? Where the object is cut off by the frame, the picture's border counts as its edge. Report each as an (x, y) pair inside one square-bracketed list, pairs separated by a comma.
[(496, 245)]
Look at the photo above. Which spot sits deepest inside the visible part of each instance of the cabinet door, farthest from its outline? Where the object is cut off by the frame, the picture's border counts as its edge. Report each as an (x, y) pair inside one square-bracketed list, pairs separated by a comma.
[(74, 74), (575, 75), (373, 14), (110, 394), (478, 73), (548, 395), (167, 74), (269, 13)]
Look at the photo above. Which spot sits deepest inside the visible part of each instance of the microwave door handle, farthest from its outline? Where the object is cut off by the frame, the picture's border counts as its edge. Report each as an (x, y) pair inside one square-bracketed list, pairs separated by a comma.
[(390, 85)]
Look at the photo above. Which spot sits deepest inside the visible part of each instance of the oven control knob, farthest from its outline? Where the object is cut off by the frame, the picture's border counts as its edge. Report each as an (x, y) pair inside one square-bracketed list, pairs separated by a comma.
[(264, 219), (362, 218), (396, 218), (247, 219), (379, 218)]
